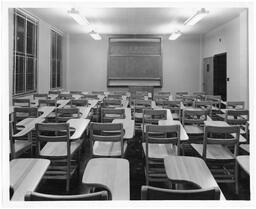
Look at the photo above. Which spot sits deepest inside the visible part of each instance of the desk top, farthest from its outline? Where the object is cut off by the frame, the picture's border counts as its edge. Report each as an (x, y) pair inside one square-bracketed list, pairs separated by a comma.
[(111, 172), (183, 134), (128, 126), (190, 169), (80, 125), (25, 175), (63, 102), (29, 126), (244, 162)]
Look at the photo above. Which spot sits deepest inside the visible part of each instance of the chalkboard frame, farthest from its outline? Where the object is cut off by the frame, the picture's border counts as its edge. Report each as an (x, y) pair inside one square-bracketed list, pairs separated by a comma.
[(117, 81)]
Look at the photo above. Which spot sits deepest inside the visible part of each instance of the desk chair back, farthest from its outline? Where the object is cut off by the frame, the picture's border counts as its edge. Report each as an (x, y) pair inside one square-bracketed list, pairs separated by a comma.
[(155, 193), (64, 114), (109, 114), (21, 102), (35, 196), (160, 141), (107, 132)]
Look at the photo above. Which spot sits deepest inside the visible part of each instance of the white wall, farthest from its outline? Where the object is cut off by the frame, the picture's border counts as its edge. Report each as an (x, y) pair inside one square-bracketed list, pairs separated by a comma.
[(88, 64), (234, 41)]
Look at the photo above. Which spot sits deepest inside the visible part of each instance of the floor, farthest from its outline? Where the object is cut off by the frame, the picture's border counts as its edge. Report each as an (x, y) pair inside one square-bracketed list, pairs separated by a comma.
[(134, 154)]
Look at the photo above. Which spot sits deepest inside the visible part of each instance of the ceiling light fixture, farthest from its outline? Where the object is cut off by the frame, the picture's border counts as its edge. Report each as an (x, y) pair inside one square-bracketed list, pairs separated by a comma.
[(175, 35), (196, 17), (95, 35), (81, 20)]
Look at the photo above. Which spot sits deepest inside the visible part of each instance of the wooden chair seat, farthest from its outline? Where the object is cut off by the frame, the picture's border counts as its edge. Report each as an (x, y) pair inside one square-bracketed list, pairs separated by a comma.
[(160, 151), (108, 148), (193, 129), (59, 149), (214, 151), (21, 146)]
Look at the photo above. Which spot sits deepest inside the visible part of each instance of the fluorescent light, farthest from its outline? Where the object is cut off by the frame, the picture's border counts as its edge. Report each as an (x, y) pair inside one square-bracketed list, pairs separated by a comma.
[(196, 17), (77, 17), (175, 35), (95, 35)]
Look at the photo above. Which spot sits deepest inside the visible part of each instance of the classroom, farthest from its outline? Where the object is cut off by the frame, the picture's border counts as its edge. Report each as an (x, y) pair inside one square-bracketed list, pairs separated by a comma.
[(140, 102)]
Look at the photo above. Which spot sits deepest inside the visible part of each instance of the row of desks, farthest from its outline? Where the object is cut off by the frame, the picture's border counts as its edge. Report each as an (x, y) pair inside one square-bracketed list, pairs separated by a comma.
[(113, 173)]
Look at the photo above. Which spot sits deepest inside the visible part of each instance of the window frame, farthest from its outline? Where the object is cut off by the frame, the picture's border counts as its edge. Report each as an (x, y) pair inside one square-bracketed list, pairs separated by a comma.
[(26, 56), (56, 59)]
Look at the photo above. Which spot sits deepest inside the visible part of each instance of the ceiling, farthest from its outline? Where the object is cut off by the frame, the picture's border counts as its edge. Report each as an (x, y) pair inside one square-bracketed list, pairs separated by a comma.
[(135, 20)]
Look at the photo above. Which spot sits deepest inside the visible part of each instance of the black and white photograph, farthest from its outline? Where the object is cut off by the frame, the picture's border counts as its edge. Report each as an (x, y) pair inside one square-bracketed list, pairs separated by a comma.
[(127, 104)]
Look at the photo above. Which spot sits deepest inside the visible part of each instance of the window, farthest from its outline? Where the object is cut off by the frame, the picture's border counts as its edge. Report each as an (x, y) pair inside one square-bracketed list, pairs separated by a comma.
[(56, 60), (25, 54)]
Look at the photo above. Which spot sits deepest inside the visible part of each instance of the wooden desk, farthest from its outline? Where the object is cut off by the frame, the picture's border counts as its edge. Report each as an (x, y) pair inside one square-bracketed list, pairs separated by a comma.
[(128, 126), (25, 175), (190, 169), (80, 125), (183, 134), (29, 126), (111, 172), (46, 110), (62, 102), (244, 162)]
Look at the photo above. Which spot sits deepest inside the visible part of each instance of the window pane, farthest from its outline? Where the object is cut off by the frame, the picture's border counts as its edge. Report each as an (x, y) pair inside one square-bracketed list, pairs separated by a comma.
[(58, 74), (54, 45), (30, 82), (58, 47), (30, 38), (20, 34), (30, 65), (19, 76), (53, 74)]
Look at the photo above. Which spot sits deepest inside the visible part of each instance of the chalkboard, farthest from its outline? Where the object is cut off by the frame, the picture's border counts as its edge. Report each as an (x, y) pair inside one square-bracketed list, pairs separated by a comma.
[(138, 58)]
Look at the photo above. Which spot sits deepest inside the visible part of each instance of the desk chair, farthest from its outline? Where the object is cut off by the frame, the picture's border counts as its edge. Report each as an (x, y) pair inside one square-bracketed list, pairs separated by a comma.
[(165, 93), (188, 100), (143, 93), (216, 153), (17, 146), (89, 96), (65, 96), (205, 105), (107, 140), (178, 95), (21, 102), (112, 103), (76, 92), (174, 107), (98, 92), (59, 149), (79, 102), (35, 196), (151, 117), (199, 95), (64, 114), (109, 114), (123, 93), (160, 141), (22, 113), (57, 92), (216, 103), (40, 96), (160, 98), (238, 105), (193, 122), (47, 102), (239, 117), (115, 96), (155, 193), (137, 111)]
